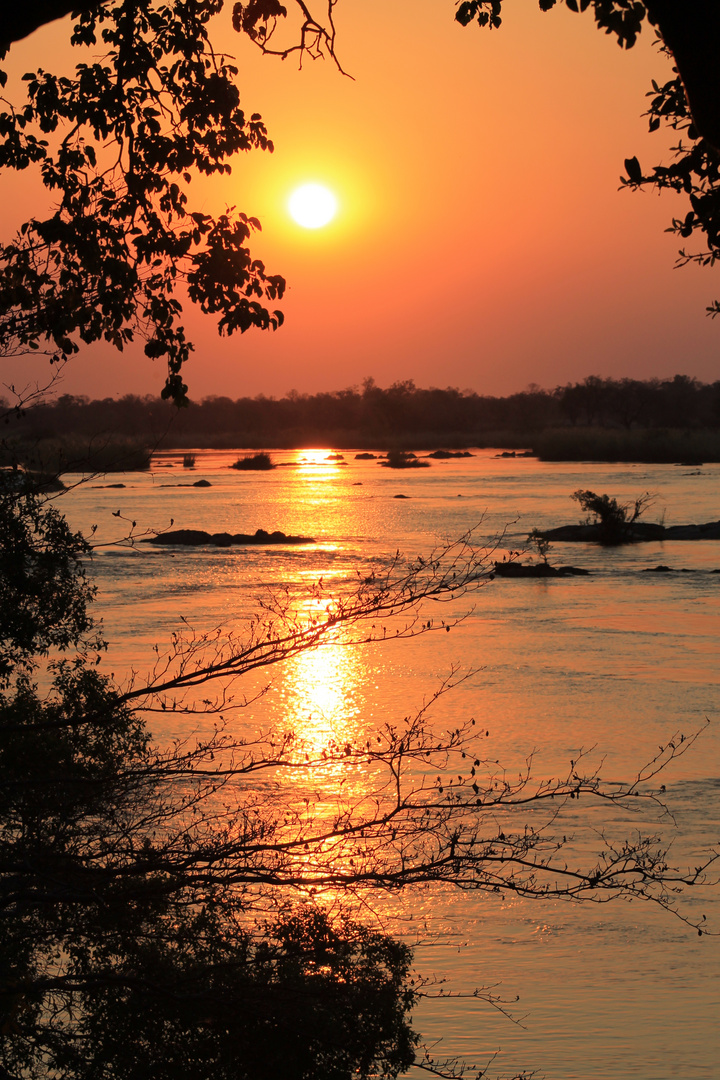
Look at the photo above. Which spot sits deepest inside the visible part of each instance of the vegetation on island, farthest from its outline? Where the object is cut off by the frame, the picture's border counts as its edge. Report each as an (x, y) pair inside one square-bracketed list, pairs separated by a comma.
[(403, 459), (254, 463), (613, 520)]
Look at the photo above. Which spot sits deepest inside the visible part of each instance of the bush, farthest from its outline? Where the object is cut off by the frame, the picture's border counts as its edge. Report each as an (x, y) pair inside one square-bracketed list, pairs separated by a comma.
[(257, 462), (402, 459), (613, 519)]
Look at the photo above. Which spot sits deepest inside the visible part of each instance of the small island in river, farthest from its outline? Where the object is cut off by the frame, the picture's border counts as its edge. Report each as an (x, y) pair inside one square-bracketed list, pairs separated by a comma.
[(635, 533), (536, 570), (198, 537)]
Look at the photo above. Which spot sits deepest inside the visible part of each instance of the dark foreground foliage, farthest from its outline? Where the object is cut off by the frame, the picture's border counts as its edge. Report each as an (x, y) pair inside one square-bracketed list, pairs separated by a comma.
[(114, 962)]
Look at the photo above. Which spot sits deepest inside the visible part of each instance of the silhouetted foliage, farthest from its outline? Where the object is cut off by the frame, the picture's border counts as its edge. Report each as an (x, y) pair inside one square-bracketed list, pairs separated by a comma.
[(539, 544), (613, 519), (43, 589), (695, 172), (254, 463), (117, 145)]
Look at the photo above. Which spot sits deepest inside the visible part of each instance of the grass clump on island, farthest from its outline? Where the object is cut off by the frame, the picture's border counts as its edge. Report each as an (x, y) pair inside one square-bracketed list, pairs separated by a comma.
[(403, 459), (254, 462)]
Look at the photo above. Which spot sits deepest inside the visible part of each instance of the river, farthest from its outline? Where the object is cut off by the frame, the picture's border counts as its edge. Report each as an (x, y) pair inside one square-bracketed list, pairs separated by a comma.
[(617, 661)]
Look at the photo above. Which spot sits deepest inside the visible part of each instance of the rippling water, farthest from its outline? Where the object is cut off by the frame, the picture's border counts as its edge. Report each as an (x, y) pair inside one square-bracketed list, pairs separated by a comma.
[(618, 661)]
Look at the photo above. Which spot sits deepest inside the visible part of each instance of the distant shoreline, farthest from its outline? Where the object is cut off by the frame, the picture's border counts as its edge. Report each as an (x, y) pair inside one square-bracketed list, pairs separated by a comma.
[(57, 455), (674, 421)]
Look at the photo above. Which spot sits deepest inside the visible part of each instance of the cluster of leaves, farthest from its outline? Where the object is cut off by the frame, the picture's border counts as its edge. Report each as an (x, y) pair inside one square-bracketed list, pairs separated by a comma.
[(310, 35), (119, 143), (695, 172), (623, 18)]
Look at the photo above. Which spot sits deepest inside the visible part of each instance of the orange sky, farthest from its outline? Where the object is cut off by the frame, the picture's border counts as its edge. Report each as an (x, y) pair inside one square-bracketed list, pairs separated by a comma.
[(482, 241)]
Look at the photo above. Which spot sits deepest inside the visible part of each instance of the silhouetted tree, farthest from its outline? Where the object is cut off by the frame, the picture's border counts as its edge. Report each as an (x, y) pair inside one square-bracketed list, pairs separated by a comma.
[(126, 133)]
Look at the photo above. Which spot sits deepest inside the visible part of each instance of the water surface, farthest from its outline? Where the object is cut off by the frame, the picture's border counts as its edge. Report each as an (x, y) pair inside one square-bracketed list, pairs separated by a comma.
[(618, 661)]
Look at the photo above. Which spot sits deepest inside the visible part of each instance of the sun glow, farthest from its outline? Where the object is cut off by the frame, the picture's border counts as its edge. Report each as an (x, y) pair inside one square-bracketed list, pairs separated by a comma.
[(312, 206)]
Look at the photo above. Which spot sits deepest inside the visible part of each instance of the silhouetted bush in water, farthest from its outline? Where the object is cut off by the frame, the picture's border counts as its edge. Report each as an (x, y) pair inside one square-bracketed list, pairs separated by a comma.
[(258, 462), (188, 461), (539, 543), (442, 455), (613, 520), (402, 459)]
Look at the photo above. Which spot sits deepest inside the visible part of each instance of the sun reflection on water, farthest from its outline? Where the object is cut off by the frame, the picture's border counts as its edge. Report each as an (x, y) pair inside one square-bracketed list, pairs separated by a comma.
[(321, 695), (322, 463)]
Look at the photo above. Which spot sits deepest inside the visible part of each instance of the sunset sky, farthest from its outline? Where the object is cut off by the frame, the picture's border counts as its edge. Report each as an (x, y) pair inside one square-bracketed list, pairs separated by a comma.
[(481, 240)]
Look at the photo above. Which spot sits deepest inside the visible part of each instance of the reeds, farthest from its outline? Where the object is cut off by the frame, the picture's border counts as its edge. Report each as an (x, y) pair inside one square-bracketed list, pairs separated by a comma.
[(56, 457), (647, 445)]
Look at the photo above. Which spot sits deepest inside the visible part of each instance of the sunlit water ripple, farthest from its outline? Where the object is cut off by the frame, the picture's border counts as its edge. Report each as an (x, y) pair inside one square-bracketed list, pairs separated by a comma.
[(618, 661)]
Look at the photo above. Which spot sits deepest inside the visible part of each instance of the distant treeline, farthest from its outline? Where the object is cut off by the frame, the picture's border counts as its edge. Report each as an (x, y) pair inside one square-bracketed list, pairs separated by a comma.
[(619, 415)]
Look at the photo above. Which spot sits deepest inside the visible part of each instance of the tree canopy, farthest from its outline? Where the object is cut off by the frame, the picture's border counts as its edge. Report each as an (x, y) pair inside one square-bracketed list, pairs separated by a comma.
[(118, 145)]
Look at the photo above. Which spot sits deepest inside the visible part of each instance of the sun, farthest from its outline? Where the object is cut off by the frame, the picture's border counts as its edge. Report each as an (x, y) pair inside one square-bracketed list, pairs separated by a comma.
[(312, 206)]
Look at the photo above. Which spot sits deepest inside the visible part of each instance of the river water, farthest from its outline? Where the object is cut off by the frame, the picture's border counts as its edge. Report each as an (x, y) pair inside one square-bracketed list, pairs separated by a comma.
[(618, 661)]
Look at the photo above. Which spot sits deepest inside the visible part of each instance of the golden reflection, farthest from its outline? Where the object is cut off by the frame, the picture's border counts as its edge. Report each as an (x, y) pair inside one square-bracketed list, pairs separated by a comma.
[(321, 696), (322, 704), (320, 462)]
